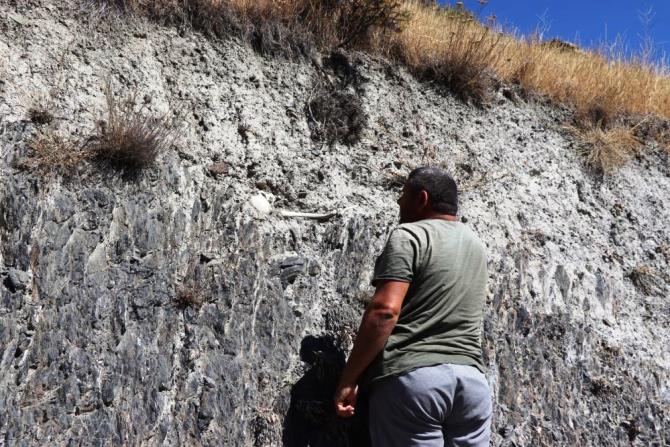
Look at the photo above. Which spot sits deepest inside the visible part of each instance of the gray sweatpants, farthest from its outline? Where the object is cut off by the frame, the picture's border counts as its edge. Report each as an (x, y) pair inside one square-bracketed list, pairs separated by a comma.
[(432, 406)]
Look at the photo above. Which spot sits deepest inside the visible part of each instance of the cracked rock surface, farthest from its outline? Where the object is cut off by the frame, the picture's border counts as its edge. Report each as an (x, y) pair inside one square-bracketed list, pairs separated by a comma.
[(165, 309)]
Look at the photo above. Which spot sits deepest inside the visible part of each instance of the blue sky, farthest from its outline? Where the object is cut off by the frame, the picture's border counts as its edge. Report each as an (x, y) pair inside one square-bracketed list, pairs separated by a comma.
[(589, 22)]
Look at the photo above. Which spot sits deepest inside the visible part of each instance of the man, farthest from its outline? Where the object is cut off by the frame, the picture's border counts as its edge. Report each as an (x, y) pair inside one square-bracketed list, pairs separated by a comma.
[(418, 345)]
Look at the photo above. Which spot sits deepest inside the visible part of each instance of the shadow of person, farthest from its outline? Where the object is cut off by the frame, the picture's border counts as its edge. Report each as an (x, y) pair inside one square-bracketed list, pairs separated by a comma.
[(311, 420)]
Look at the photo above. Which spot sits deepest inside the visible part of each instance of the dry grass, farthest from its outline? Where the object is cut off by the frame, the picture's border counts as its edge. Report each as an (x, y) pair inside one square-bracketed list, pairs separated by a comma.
[(597, 86), (130, 139), (51, 153), (40, 115), (189, 294), (445, 44), (448, 47), (607, 149)]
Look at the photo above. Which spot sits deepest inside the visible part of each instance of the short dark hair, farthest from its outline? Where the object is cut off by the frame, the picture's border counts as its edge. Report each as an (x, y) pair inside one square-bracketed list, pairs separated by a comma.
[(441, 188)]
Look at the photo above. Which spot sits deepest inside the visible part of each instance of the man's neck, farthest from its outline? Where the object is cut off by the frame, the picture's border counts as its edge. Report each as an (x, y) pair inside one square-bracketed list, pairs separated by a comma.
[(447, 217)]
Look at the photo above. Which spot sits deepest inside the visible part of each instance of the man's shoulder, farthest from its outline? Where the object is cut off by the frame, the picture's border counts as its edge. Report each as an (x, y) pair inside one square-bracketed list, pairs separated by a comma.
[(422, 229), (430, 225), (410, 230)]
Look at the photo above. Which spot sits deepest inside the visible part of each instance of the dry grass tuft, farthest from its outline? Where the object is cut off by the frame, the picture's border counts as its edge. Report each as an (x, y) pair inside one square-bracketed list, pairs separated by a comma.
[(189, 295), (51, 153), (129, 139), (356, 19), (40, 116), (607, 150)]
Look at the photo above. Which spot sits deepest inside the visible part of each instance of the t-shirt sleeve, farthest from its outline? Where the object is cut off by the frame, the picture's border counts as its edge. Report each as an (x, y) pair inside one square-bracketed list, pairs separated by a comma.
[(398, 260)]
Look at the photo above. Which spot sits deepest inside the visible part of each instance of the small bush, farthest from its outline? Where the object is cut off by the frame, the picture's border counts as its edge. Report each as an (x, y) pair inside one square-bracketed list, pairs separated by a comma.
[(129, 139), (354, 20), (336, 115), (598, 114), (270, 37)]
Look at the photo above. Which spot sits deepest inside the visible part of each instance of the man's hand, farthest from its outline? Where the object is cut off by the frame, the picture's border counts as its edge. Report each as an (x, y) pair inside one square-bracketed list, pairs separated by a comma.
[(378, 322), (345, 400)]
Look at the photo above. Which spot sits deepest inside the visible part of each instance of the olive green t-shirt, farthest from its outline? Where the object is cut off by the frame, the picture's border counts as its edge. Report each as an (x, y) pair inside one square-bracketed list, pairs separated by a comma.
[(440, 319)]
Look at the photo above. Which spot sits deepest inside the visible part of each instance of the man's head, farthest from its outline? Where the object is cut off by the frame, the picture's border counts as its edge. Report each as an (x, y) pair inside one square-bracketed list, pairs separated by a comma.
[(428, 192)]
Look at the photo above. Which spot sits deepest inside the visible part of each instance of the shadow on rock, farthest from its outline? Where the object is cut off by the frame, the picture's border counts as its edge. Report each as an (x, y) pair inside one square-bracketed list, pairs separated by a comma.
[(311, 420)]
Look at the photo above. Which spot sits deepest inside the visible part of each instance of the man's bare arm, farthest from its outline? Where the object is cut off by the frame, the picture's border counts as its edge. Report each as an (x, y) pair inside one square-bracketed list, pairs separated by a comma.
[(378, 322)]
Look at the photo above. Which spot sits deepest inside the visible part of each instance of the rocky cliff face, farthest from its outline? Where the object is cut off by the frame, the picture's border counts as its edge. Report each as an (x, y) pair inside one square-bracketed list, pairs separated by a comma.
[(170, 308)]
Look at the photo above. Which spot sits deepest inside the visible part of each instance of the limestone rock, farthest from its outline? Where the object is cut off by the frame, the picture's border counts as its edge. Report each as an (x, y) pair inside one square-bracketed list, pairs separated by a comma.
[(97, 349)]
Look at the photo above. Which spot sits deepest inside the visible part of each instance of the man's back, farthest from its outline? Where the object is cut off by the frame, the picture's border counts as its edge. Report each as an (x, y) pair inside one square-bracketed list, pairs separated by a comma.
[(419, 339), (441, 315)]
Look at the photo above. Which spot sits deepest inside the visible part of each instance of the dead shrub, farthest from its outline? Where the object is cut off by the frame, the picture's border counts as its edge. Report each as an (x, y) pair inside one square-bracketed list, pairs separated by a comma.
[(353, 21), (274, 38), (130, 139), (51, 153), (607, 149), (335, 115), (40, 116), (189, 294), (598, 114)]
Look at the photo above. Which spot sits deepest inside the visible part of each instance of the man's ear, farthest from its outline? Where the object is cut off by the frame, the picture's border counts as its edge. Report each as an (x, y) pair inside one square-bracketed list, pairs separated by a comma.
[(423, 198)]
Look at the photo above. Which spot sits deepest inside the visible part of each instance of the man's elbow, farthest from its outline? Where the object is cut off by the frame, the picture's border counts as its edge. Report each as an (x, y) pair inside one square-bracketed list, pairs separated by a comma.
[(383, 315)]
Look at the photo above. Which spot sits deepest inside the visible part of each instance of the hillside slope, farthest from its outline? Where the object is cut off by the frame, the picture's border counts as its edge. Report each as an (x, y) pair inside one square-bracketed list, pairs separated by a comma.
[(167, 309)]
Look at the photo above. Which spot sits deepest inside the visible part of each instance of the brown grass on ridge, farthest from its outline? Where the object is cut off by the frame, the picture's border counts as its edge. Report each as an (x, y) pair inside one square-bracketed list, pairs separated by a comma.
[(269, 24), (447, 47), (434, 41)]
